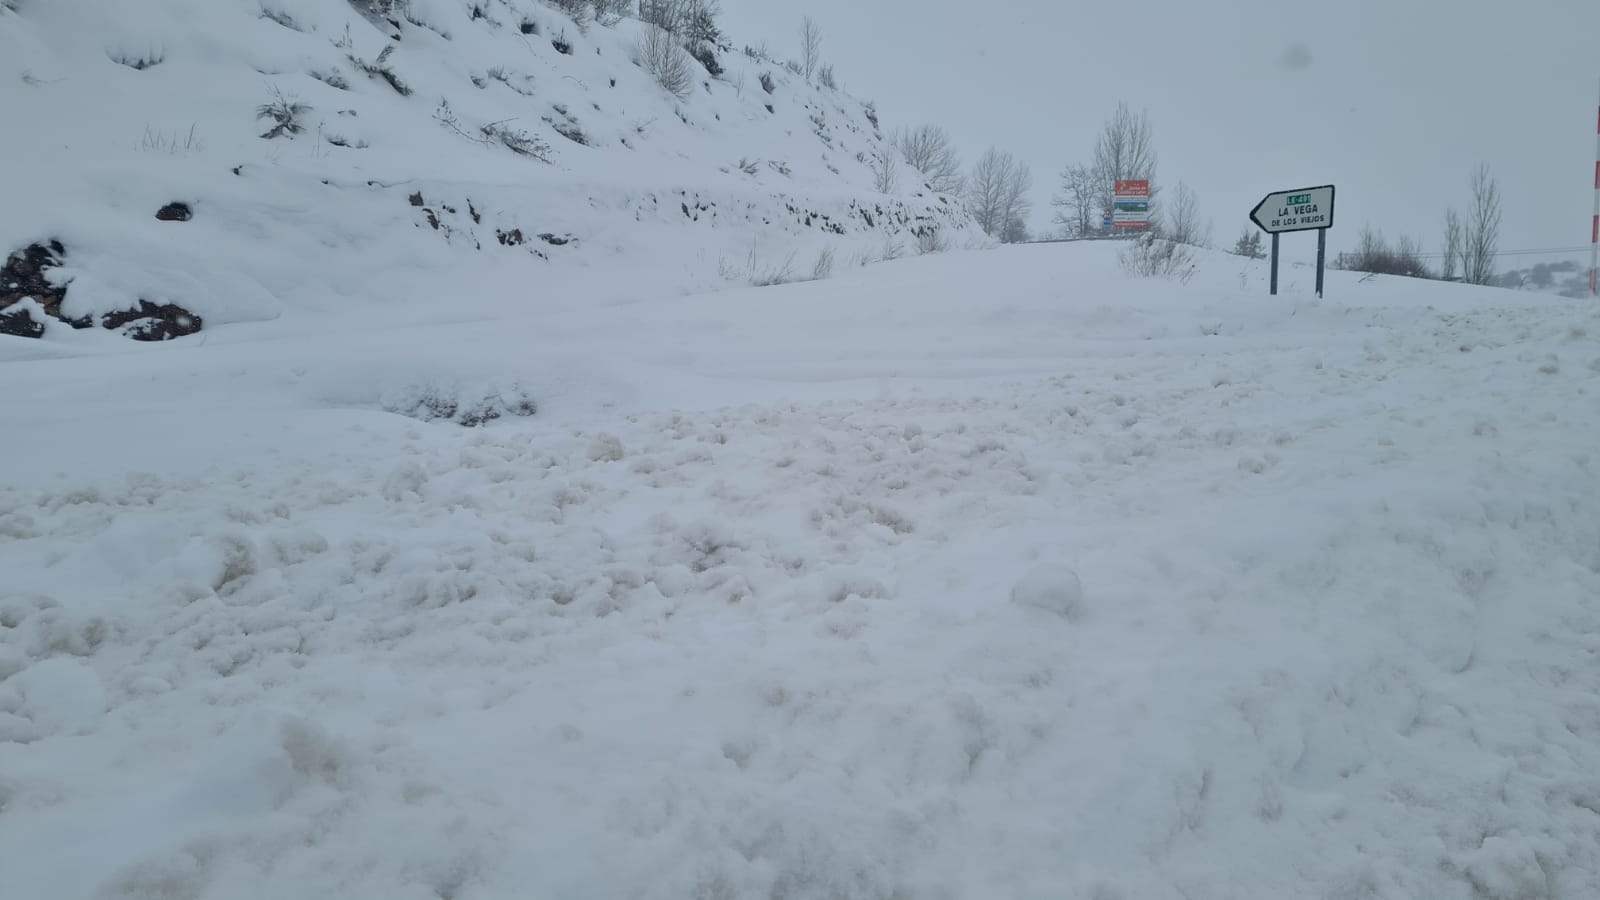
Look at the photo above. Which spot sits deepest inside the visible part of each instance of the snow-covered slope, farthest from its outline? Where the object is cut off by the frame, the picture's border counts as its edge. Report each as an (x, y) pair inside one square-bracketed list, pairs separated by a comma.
[(979, 575), (382, 202)]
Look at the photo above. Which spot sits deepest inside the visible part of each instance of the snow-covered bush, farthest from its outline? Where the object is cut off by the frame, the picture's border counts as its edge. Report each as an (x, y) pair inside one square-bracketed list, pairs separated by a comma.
[(1153, 257), (285, 114), (465, 406)]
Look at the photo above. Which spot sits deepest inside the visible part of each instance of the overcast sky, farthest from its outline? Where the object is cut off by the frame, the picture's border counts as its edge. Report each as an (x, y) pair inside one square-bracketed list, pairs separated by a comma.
[(1394, 101)]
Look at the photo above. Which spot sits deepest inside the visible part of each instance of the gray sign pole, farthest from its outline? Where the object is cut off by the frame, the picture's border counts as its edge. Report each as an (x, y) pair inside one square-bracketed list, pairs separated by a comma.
[(1275, 264), (1322, 255)]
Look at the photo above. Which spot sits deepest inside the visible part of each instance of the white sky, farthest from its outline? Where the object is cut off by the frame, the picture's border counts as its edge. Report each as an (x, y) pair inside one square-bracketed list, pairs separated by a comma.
[(1394, 101)]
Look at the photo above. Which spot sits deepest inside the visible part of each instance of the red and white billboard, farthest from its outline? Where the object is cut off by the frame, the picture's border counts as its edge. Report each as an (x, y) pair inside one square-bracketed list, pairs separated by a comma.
[(1130, 204)]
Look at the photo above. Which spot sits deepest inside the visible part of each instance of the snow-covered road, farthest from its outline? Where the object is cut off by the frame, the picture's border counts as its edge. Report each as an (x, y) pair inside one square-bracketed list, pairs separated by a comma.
[(992, 575)]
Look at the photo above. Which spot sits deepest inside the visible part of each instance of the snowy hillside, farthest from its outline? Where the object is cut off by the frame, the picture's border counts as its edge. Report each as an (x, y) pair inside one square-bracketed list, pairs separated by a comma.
[(979, 575), (468, 154)]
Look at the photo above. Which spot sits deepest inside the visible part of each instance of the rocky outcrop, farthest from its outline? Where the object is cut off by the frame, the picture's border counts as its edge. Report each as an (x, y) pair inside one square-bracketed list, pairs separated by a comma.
[(30, 298)]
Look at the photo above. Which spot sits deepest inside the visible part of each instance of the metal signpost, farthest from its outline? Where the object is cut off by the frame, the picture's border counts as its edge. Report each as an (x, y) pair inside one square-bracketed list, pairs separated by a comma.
[(1302, 209)]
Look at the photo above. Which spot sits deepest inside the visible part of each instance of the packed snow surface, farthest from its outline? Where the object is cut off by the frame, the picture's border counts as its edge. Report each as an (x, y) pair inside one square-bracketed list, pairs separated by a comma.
[(982, 575)]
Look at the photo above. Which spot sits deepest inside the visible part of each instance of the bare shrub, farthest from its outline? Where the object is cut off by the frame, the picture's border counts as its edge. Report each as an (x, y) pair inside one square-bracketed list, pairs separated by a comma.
[(757, 272), (1153, 257), (886, 174), (282, 18), (1375, 255), (706, 55), (666, 62), (827, 78), (824, 265), (285, 113), (930, 240), (1249, 244), (174, 144), (517, 141), (767, 84), (381, 69), (332, 78)]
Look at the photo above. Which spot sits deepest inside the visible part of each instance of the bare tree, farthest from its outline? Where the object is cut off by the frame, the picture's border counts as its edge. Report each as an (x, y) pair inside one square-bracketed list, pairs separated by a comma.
[(1183, 224), (1481, 234), (810, 46), (1018, 205), (1124, 151), (1452, 245), (928, 150), (997, 192), (1077, 206)]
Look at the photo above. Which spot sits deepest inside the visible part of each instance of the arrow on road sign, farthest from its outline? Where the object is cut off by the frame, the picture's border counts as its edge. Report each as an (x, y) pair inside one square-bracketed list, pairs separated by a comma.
[(1302, 209)]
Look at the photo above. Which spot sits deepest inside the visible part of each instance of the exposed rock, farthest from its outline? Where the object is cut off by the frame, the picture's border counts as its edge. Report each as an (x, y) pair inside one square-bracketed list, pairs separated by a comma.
[(175, 212), (25, 276), (18, 321), (152, 322), (27, 298)]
